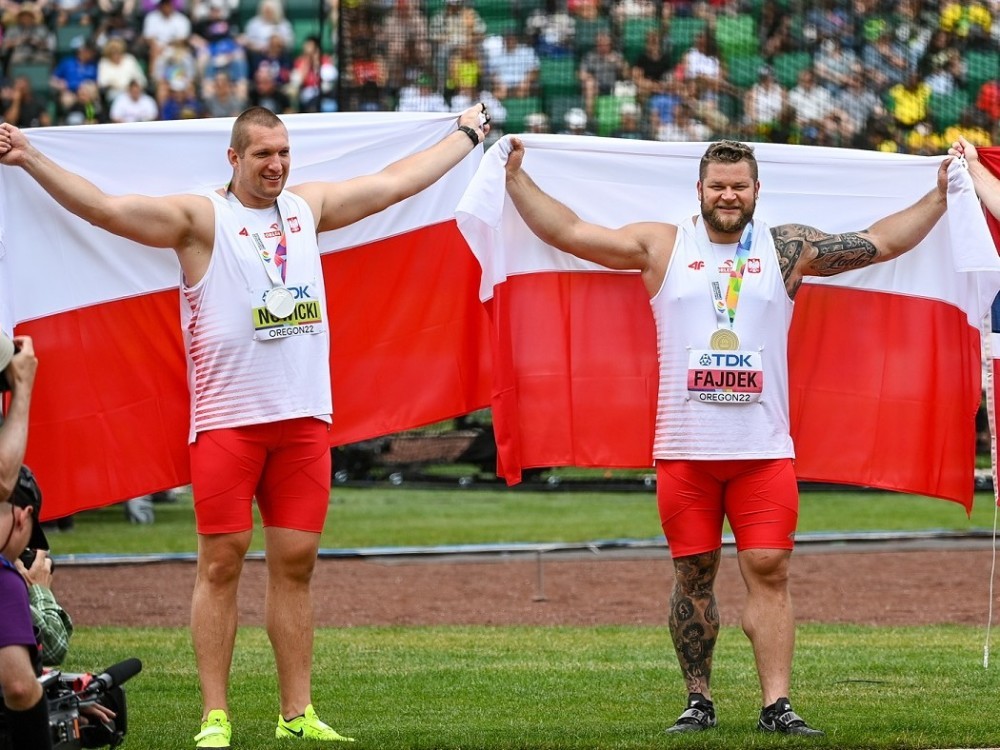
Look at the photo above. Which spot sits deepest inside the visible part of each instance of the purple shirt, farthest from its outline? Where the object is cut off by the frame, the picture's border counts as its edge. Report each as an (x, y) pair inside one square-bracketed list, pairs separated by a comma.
[(15, 625)]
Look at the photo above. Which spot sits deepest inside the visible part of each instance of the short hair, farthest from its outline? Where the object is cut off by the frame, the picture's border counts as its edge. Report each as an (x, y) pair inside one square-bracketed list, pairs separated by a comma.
[(254, 116), (728, 152)]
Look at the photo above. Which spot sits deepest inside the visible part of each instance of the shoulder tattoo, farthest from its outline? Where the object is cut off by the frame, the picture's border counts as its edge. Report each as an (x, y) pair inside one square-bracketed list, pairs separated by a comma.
[(824, 254)]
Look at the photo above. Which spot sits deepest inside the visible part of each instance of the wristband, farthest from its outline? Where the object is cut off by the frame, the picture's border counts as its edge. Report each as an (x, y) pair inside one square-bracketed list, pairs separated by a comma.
[(473, 135)]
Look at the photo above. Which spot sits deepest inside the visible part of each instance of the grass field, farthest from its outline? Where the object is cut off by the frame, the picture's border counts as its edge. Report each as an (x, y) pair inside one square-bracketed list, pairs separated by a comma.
[(557, 687)]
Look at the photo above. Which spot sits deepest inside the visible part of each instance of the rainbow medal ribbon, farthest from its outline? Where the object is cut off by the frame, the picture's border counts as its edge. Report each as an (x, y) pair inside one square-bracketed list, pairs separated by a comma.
[(724, 338)]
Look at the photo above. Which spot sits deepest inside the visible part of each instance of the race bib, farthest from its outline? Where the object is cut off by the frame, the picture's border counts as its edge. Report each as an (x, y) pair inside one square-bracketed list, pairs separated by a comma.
[(305, 318), (721, 377)]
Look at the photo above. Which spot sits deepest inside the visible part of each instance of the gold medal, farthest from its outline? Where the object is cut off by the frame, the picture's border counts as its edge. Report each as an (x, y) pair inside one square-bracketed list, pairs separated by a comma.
[(724, 340)]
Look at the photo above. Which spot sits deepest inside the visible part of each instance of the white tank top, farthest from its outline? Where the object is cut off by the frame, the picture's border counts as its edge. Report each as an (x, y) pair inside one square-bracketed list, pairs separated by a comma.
[(685, 316), (244, 366)]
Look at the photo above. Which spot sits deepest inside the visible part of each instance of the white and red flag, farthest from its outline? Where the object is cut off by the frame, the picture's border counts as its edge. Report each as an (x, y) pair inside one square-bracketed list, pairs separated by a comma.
[(109, 418), (884, 362)]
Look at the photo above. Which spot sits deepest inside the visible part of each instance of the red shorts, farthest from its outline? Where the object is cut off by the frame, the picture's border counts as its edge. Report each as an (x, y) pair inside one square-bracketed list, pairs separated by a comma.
[(759, 497), (285, 465)]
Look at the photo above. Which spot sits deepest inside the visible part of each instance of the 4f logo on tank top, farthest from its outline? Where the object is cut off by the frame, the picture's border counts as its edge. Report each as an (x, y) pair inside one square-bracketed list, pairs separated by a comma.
[(696, 265), (244, 232)]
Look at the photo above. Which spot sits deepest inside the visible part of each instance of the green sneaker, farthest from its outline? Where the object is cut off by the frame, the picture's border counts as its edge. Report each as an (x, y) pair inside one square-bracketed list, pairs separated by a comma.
[(307, 727), (216, 731)]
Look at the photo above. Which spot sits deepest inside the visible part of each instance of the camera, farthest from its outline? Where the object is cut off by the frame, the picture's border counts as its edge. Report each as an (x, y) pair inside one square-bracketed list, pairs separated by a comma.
[(67, 693), (28, 557), (4, 382)]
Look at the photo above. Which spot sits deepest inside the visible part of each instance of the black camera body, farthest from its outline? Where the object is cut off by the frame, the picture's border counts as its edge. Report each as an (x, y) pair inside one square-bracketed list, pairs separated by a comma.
[(28, 557), (66, 694)]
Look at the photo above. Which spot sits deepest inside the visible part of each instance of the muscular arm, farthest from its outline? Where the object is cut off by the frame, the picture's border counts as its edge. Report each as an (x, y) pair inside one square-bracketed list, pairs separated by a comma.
[(182, 222), (806, 251), (642, 247), (339, 204)]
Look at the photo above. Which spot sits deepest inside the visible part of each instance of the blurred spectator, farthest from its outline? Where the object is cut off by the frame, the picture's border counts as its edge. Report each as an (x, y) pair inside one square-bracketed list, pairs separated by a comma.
[(74, 69), (514, 69), (630, 125), (80, 12), (116, 70), (162, 27), (835, 65), (908, 101), (651, 66), (118, 22), (175, 66), (829, 19), (684, 127), (858, 103), (20, 107), (215, 46), (912, 31), (85, 108), (422, 97), (988, 100), (948, 75), (600, 70), (406, 36), (575, 121), (812, 104), (182, 102), (938, 50), (763, 103), (224, 98), (368, 77), (277, 59), (269, 21), (133, 105), (265, 92), (314, 75), (536, 122), (455, 26), (700, 61), (885, 64), (465, 69), (783, 37), (664, 103), (622, 10), (26, 38), (969, 20), (552, 30)]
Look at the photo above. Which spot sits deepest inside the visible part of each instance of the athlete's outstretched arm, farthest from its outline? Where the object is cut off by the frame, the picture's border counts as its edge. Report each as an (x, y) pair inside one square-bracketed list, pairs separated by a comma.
[(806, 251), (628, 248), (343, 203), (167, 222)]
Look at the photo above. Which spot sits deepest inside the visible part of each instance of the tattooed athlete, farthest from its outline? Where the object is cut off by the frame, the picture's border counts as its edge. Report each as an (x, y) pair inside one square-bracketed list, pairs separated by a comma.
[(721, 287)]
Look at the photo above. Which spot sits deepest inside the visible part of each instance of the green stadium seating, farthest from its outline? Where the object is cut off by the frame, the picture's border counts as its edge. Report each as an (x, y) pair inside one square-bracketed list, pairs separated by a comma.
[(586, 33), (558, 75), (517, 110), (633, 36), (303, 28), (744, 70), (682, 33), (946, 109), (303, 9), (981, 66), (788, 65), (556, 107), (607, 111), (38, 75), (736, 35), (67, 34)]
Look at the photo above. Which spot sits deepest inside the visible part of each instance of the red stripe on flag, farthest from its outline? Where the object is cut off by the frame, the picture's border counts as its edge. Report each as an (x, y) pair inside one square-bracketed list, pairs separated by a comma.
[(884, 391), (884, 388), (109, 420)]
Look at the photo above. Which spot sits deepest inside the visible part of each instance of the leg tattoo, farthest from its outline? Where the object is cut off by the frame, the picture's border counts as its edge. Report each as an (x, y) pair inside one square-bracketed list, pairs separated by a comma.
[(694, 617)]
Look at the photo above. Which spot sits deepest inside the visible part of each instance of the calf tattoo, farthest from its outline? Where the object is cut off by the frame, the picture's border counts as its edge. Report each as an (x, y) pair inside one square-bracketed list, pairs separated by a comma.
[(694, 617)]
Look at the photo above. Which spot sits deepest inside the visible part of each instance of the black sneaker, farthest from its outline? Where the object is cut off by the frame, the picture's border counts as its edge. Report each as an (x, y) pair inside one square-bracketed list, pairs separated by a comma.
[(780, 718), (698, 716)]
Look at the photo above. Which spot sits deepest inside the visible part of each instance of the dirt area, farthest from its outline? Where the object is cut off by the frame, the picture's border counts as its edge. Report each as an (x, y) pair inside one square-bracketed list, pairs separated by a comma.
[(864, 585)]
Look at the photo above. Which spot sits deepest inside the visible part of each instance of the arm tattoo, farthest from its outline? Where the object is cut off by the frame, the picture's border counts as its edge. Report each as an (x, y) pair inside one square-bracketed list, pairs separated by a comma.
[(805, 251)]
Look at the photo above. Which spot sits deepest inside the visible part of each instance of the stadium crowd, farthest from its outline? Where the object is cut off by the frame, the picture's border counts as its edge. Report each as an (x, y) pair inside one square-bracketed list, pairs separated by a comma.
[(892, 75)]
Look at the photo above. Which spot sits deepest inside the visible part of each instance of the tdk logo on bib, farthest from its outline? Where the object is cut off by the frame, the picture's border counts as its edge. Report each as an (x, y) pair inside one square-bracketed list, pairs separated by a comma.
[(725, 359)]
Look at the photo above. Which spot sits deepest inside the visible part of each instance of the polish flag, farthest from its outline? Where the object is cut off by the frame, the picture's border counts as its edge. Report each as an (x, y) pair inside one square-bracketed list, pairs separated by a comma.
[(110, 411), (990, 157), (885, 361)]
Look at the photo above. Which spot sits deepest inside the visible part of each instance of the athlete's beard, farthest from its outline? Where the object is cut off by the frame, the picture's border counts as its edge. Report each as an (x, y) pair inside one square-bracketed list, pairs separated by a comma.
[(727, 224)]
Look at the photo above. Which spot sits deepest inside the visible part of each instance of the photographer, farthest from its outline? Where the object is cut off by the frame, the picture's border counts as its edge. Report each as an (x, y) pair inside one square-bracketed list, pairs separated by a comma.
[(26, 709), (53, 624)]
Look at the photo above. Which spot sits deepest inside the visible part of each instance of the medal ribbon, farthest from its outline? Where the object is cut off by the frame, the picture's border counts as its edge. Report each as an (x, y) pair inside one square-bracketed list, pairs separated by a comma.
[(736, 275)]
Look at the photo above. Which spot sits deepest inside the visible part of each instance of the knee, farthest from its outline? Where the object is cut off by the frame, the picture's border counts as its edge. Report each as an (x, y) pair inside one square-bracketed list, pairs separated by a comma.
[(770, 567)]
